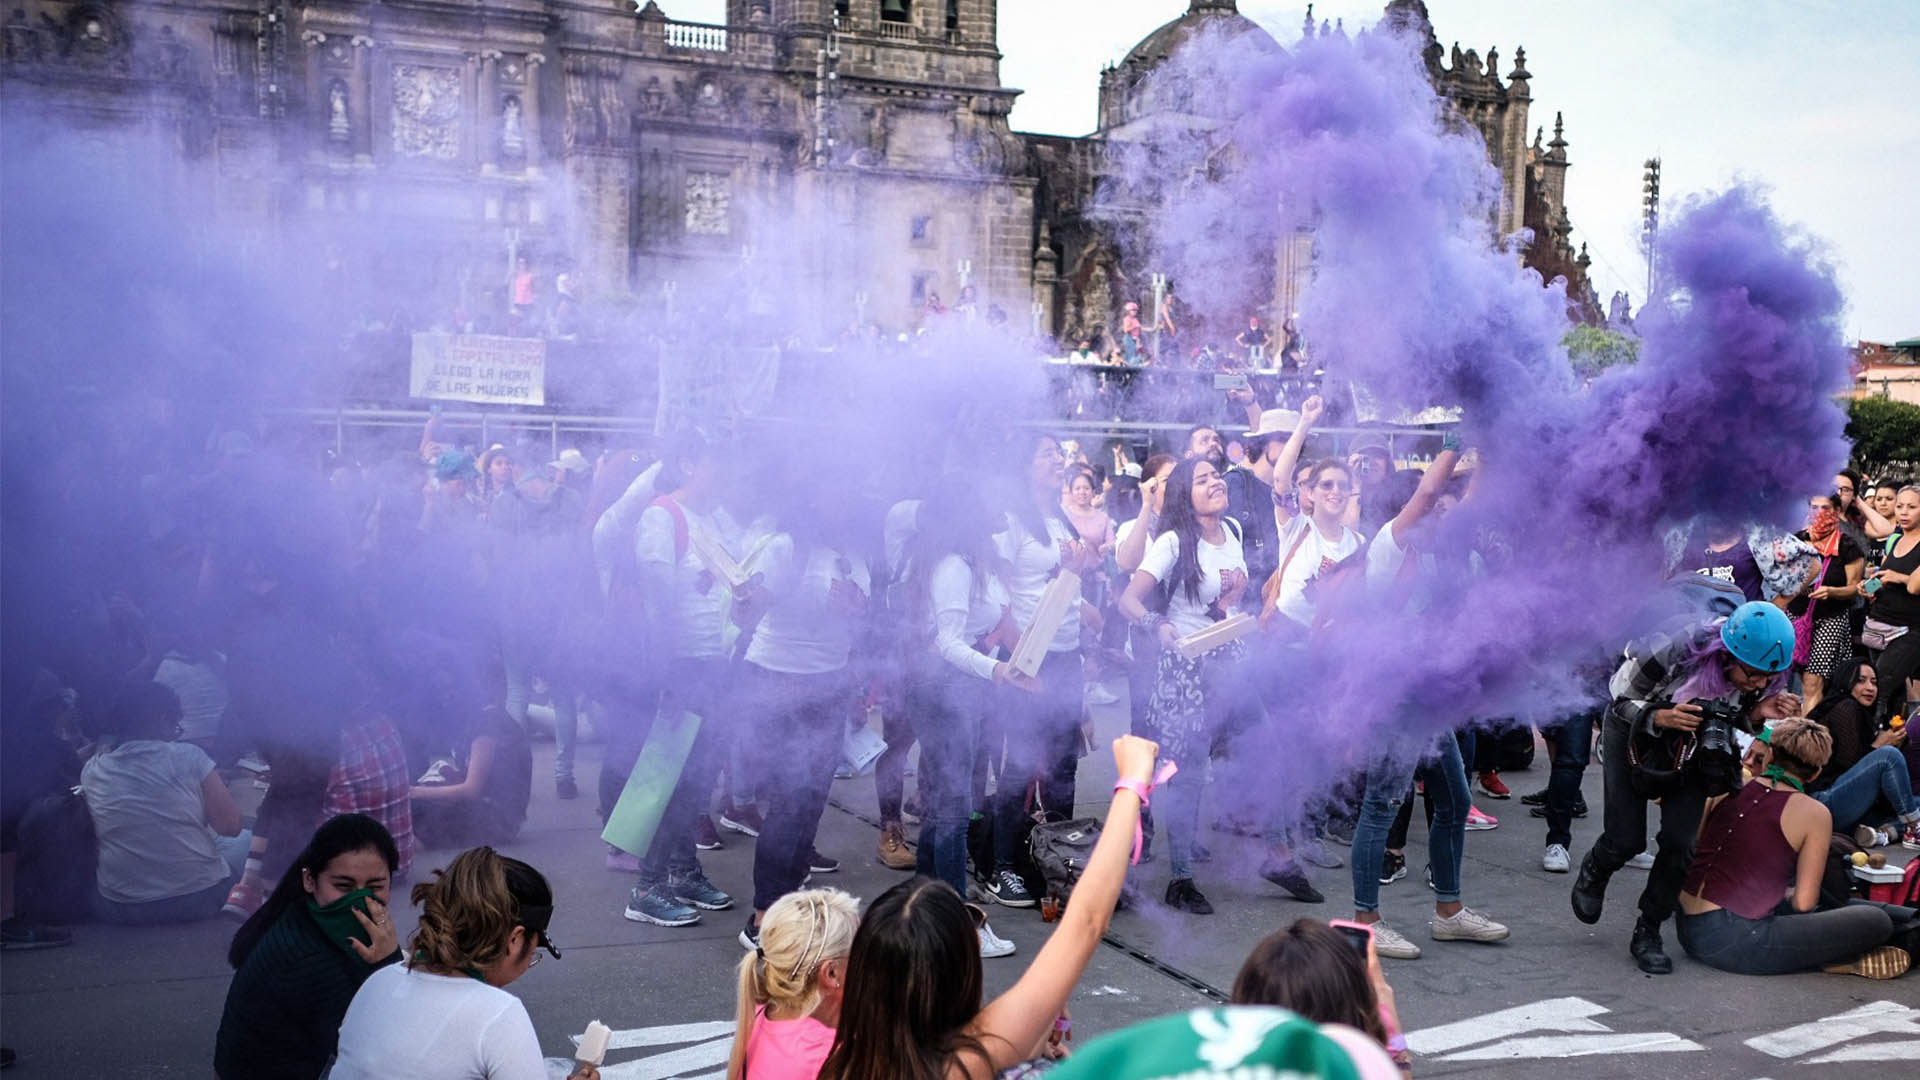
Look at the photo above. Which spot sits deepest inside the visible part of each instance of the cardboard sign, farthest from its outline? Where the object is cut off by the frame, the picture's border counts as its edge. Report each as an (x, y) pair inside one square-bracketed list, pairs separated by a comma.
[(1056, 603), (636, 817), (1200, 642), (480, 368)]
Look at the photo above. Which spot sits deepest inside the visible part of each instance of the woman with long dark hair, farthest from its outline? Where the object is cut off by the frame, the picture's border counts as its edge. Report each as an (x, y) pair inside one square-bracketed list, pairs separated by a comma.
[(1198, 564), (912, 1009), (1314, 970), (1842, 565), (1867, 768), (302, 956), (1042, 731), (950, 587)]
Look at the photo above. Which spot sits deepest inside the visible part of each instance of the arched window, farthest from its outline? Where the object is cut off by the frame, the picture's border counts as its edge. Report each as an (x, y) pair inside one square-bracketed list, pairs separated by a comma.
[(899, 11)]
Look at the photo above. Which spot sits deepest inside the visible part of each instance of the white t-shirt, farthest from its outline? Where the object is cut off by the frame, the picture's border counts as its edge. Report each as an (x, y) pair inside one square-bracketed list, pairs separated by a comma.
[(201, 690), (436, 1027), (613, 533), (1191, 616), (902, 522), (1315, 555), (1034, 562), (150, 821), (963, 615), (705, 616), (803, 632)]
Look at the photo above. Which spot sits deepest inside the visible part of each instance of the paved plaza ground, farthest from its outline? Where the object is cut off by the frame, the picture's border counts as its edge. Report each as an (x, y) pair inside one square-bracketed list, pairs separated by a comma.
[(1559, 998)]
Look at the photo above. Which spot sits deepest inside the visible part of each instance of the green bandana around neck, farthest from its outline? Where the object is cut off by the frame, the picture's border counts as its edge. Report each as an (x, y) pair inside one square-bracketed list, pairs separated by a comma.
[(1775, 772), (337, 922)]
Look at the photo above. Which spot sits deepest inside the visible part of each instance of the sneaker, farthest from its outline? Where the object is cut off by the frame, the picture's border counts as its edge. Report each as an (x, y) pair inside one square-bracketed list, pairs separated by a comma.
[(17, 934), (565, 788), (1339, 832), (1390, 943), (1429, 878), (1869, 837), (1579, 809), (1290, 877), (621, 862), (1642, 861), (705, 836), (657, 906), (745, 820), (821, 864), (1182, 896), (1479, 822), (1537, 798), (1319, 855), (1008, 890), (1467, 925), (992, 945), (1393, 867), (243, 901), (1910, 839), (894, 853), (750, 936), (1492, 788), (1885, 962), (695, 889), (910, 811), (1556, 860), (1098, 694)]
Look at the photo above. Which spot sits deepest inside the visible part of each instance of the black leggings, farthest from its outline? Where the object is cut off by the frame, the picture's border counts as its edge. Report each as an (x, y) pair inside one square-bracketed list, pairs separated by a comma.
[(1782, 943)]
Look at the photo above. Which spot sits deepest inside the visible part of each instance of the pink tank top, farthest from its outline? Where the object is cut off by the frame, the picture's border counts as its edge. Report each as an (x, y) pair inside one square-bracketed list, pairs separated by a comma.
[(1743, 862), (787, 1049)]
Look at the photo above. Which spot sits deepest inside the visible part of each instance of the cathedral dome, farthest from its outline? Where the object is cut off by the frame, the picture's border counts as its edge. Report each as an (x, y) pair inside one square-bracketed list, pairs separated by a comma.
[(1220, 17), (1129, 91)]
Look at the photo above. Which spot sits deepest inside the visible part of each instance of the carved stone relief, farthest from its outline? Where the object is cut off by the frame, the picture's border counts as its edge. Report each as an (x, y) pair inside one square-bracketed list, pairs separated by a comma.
[(426, 111), (709, 203)]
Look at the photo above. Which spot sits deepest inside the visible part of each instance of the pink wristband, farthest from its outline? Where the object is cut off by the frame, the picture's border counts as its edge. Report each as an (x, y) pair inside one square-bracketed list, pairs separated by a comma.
[(1145, 791)]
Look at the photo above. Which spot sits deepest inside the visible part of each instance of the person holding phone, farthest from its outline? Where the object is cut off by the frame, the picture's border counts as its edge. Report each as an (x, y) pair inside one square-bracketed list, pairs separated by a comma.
[(1330, 973)]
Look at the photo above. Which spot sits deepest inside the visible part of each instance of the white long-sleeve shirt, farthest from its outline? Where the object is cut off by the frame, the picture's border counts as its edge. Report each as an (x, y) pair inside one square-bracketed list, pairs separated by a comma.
[(613, 533), (1034, 562), (962, 615)]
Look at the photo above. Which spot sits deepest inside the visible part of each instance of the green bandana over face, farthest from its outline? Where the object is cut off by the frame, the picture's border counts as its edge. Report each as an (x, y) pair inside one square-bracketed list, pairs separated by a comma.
[(337, 922)]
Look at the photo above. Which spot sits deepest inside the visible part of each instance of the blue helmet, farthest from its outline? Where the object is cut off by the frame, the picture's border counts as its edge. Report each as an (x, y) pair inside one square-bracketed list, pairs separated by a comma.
[(1760, 636)]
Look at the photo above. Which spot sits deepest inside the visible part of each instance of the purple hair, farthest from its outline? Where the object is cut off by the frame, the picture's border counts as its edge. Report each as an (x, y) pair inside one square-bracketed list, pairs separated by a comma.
[(1709, 680)]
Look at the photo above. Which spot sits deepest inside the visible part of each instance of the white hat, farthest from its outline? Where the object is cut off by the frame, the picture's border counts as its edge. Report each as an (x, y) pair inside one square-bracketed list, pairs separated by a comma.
[(1275, 422), (571, 460)]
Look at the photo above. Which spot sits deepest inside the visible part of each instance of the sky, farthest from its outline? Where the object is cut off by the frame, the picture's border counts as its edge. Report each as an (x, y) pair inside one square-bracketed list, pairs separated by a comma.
[(1808, 97)]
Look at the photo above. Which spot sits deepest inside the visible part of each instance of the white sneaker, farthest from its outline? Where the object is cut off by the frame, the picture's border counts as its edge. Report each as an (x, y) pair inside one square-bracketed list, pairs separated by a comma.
[(1098, 694), (1556, 860), (992, 945), (1389, 943), (1467, 925), (1642, 861)]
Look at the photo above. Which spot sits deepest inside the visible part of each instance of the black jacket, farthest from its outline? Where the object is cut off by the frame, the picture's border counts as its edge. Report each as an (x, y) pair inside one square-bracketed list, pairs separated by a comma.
[(284, 1007)]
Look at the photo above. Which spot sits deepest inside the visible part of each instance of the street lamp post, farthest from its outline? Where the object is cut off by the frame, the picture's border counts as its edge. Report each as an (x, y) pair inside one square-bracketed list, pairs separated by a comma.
[(1650, 220)]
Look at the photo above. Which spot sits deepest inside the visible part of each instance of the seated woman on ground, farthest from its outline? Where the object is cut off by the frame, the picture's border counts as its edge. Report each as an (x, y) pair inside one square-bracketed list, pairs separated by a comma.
[(791, 986), (1316, 970), (912, 1007), (445, 1014), (1869, 785), (479, 795), (167, 829), (1767, 841), (300, 958)]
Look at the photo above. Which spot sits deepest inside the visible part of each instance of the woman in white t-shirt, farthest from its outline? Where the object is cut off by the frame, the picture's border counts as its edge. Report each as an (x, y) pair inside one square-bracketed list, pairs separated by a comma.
[(811, 597), (445, 1014), (1198, 566), (1314, 552)]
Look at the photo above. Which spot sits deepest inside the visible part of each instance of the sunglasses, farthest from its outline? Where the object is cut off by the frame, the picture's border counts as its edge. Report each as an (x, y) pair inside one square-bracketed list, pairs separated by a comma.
[(1332, 487)]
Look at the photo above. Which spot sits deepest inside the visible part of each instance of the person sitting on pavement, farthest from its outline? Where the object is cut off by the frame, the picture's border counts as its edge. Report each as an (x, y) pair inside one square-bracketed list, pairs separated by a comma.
[(1771, 839), (445, 1014), (1313, 968), (301, 957), (1228, 1043), (914, 974), (168, 831), (1868, 766), (791, 986), (480, 794)]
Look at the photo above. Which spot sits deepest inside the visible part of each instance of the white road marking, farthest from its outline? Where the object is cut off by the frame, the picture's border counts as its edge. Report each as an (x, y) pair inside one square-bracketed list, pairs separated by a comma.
[(713, 1039), (1873, 1018), (1574, 1015), (1906, 1050), (666, 1035), (1568, 1046)]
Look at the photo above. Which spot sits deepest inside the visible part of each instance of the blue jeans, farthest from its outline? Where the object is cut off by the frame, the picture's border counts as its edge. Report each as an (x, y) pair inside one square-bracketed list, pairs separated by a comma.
[(1389, 783), (695, 686), (947, 706), (1881, 774), (1043, 741), (1572, 748)]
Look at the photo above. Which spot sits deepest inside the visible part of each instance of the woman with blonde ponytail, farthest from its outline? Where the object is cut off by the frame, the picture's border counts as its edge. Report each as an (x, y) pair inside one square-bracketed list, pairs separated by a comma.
[(445, 1014), (791, 986)]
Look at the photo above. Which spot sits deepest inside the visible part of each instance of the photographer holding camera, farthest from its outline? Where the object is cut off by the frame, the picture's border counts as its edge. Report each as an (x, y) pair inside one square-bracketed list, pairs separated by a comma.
[(1669, 736)]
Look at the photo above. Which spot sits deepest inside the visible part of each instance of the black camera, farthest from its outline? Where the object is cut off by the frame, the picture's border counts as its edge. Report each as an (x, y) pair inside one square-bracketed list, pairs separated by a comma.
[(1716, 754)]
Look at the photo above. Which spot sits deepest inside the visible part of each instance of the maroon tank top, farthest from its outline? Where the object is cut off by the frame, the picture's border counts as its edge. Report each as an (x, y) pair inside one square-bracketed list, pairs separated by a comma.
[(1743, 862)]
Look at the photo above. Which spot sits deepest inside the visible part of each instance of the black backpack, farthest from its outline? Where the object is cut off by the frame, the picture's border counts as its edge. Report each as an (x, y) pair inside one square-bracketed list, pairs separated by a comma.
[(1060, 850)]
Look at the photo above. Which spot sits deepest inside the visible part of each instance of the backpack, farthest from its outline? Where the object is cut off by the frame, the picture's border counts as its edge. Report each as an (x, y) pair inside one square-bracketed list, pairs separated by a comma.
[(58, 857), (1908, 894), (1060, 850)]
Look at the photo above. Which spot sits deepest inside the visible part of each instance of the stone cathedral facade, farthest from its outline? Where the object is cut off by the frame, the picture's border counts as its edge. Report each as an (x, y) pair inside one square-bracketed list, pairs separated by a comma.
[(436, 141)]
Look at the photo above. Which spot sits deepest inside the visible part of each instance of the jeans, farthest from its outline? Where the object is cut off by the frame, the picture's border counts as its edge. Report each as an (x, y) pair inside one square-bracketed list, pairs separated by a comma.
[(796, 723), (566, 703), (1899, 662), (1881, 774), (1043, 743), (890, 770), (1625, 831), (948, 706), (192, 907), (1796, 941), (1388, 785), (1572, 747), (1146, 656), (694, 686)]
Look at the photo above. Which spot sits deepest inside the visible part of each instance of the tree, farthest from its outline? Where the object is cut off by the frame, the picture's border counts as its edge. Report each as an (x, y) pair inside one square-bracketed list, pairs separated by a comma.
[(1592, 350), (1885, 434)]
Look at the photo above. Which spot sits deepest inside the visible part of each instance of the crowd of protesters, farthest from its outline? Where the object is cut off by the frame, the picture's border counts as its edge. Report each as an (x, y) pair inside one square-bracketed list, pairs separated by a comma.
[(724, 620)]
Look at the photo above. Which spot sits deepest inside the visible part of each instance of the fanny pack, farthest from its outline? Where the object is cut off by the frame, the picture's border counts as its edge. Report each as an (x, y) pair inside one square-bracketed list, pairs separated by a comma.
[(1877, 635)]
